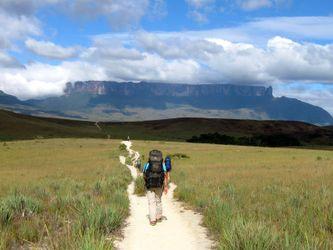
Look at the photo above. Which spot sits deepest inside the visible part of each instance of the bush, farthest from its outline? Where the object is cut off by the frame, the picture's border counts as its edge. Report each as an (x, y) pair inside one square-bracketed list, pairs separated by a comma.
[(122, 147), (275, 140), (179, 156)]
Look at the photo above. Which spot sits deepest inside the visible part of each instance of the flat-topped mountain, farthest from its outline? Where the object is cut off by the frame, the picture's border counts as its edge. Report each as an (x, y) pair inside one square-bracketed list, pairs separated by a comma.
[(163, 89), (128, 101)]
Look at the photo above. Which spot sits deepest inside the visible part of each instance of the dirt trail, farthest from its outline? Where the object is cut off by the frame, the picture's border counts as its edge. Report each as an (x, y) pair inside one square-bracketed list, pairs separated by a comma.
[(180, 230)]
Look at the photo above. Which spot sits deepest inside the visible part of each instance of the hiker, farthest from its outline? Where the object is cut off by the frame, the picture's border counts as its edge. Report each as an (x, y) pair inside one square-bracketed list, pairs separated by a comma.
[(154, 173)]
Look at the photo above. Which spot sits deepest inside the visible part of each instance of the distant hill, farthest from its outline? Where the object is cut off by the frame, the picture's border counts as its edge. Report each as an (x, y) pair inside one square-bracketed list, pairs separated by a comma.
[(6, 99), (17, 126), (106, 101)]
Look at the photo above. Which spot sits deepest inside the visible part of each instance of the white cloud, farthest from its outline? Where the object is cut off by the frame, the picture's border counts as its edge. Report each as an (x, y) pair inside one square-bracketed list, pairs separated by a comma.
[(199, 3), (24, 7), (177, 47), (120, 13), (95, 53), (40, 80), (250, 5), (20, 27), (199, 10), (198, 16), (7, 61), (313, 27), (177, 58), (51, 50), (158, 9), (258, 31), (291, 61)]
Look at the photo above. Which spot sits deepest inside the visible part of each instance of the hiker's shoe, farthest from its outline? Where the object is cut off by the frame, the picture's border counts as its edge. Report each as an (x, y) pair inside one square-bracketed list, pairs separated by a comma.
[(153, 223), (159, 219)]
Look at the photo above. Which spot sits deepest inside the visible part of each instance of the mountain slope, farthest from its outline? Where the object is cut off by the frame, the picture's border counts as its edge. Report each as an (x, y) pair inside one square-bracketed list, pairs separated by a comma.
[(15, 126), (105, 101), (6, 99)]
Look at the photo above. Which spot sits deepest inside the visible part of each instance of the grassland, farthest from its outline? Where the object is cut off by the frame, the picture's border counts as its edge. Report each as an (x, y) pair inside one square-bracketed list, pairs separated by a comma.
[(256, 198), (71, 193), (61, 194)]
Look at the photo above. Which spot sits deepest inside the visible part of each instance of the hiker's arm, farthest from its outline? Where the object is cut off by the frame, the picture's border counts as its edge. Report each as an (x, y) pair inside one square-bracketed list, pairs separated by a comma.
[(166, 183), (166, 177)]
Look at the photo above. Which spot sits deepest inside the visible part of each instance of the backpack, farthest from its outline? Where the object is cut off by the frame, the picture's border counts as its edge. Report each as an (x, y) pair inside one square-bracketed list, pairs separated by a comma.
[(167, 162), (155, 174)]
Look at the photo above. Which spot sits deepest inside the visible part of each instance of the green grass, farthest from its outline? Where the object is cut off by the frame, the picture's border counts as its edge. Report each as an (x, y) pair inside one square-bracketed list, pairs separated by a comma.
[(256, 198), (140, 188), (62, 194), (71, 193)]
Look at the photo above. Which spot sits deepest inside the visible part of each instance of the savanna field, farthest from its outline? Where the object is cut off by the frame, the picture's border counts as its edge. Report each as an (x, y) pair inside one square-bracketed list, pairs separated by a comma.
[(61, 194), (256, 198), (71, 193)]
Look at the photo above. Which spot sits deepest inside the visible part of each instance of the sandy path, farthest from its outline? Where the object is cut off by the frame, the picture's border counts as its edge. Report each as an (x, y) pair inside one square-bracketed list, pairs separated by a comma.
[(180, 230)]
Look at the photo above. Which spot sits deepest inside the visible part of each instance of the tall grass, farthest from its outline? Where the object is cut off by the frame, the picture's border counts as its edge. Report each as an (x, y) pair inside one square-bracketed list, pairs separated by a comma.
[(254, 198), (17, 205), (140, 188), (67, 213)]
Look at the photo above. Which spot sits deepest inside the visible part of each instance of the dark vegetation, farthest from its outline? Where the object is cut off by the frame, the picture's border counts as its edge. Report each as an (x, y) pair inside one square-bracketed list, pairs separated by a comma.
[(276, 140), (179, 156), (15, 126)]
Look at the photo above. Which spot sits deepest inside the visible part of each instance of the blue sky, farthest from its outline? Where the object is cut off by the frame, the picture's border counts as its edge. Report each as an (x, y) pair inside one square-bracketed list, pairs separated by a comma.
[(287, 44)]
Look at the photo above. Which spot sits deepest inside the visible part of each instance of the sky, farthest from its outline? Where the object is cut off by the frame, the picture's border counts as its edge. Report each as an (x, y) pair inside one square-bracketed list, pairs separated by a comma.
[(286, 44)]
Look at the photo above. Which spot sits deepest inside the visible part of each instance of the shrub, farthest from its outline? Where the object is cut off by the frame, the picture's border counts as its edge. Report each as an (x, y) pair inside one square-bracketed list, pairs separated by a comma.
[(122, 147), (274, 140), (179, 156)]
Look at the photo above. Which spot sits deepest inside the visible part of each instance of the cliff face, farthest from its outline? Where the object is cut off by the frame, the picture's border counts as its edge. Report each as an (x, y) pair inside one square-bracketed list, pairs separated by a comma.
[(170, 90)]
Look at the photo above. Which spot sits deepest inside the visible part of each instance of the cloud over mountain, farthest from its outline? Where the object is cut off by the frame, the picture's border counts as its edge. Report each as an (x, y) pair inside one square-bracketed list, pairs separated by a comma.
[(51, 50), (258, 51)]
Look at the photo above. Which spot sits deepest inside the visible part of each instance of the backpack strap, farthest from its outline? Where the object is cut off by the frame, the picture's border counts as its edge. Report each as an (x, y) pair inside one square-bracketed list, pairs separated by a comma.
[(164, 167), (145, 168)]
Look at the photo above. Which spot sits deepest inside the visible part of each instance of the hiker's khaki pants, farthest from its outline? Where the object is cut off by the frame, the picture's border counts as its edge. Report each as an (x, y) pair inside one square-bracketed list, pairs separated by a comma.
[(154, 203)]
